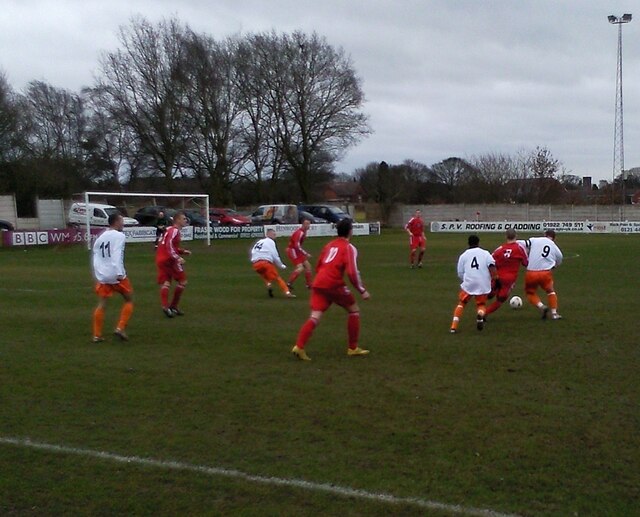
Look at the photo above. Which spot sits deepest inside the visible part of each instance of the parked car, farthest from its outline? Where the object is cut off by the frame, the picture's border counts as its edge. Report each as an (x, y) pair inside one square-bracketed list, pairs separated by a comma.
[(228, 217), (275, 214), (98, 215), (196, 218), (6, 226), (329, 213), (302, 215), (148, 215)]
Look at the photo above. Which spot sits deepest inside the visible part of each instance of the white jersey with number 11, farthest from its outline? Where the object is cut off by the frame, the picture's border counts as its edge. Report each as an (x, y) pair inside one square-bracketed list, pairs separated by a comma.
[(108, 257)]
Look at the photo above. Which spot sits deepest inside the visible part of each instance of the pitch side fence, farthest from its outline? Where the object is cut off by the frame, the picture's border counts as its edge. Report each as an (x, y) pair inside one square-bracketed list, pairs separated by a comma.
[(148, 233), (520, 212)]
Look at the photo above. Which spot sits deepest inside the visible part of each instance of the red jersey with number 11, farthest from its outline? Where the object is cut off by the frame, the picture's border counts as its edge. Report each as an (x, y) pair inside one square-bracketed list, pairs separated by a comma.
[(336, 258), (508, 258)]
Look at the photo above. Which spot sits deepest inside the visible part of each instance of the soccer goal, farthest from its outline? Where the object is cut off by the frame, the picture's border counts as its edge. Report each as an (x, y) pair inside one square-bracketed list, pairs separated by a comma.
[(88, 196)]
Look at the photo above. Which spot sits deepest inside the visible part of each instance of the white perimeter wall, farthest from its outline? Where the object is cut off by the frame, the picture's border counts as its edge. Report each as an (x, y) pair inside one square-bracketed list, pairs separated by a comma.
[(523, 212), (51, 214), (8, 209)]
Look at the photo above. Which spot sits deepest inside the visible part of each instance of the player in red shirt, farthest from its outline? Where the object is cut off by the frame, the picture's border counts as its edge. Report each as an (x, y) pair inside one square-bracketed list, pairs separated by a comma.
[(417, 239), (170, 265), (508, 257), (337, 258), (299, 256)]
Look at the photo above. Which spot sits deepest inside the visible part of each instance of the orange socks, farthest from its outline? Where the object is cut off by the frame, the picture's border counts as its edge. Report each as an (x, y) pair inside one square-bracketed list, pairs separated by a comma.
[(456, 316), (282, 284), (98, 318), (98, 321), (125, 314), (533, 298)]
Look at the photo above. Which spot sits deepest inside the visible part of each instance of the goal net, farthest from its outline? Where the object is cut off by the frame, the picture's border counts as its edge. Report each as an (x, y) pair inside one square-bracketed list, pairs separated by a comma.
[(149, 199)]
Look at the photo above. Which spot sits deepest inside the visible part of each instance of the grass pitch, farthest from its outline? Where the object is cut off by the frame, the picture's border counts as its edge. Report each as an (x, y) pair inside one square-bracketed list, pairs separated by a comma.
[(526, 417)]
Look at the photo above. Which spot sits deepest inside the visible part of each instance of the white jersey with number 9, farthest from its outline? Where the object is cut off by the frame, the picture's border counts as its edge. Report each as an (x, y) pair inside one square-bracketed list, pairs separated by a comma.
[(544, 254)]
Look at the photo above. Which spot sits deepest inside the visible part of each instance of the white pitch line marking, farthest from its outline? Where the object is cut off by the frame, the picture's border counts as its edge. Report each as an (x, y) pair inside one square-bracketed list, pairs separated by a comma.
[(265, 480), (57, 289)]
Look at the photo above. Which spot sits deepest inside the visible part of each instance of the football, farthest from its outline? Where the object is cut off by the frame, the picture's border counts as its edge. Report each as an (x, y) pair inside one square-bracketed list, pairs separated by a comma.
[(515, 302)]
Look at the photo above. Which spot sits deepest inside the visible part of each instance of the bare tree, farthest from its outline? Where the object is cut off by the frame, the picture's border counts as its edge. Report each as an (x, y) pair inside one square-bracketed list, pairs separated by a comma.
[(316, 99), (213, 111), (543, 164), (384, 184), (9, 122), (544, 167), (144, 83), (57, 122), (451, 173), (492, 174), (53, 155), (264, 162), (120, 161)]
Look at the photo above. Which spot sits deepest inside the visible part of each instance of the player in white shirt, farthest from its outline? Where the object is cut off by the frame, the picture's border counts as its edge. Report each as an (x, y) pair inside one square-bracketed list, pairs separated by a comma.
[(476, 269), (111, 277), (265, 258), (544, 256)]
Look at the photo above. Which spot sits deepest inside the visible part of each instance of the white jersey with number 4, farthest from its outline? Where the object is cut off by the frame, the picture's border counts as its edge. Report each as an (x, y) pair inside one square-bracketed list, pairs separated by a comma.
[(108, 257), (265, 249), (473, 270), (544, 254)]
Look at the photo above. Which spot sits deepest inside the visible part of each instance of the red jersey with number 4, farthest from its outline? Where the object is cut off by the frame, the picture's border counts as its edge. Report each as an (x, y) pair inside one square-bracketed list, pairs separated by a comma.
[(415, 226), (169, 246), (337, 258), (508, 258)]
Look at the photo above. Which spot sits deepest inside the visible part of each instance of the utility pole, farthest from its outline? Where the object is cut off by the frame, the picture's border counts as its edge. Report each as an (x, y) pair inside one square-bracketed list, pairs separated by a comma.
[(618, 131)]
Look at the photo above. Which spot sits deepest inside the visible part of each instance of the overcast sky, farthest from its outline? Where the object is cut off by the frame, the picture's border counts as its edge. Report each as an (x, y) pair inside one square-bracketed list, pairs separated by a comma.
[(441, 77)]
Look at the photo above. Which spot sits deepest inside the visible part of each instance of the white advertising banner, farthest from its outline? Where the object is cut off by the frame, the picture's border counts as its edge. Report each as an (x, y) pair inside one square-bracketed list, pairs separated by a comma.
[(617, 227), (501, 226), (323, 230), (148, 233), (627, 227)]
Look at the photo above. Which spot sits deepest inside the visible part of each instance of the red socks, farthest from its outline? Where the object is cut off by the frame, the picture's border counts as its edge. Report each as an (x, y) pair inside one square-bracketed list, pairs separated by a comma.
[(293, 276), (164, 296), (305, 332), (176, 296), (353, 329)]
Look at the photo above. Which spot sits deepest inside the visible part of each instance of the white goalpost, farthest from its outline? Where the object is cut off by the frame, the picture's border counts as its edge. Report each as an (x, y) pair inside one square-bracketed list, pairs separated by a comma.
[(87, 195)]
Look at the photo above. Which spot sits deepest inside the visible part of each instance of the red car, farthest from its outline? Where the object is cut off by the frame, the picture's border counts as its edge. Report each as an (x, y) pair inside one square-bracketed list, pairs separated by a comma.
[(228, 217)]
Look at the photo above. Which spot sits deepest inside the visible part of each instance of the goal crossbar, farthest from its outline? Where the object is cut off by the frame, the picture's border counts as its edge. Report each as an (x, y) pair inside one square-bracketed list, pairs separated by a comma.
[(144, 194)]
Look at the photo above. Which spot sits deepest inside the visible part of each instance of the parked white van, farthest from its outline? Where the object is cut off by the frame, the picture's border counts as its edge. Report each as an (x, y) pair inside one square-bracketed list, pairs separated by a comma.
[(275, 214), (99, 215)]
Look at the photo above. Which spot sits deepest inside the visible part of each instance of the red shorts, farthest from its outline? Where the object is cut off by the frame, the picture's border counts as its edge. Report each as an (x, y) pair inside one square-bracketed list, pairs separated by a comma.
[(321, 299), (506, 285), (170, 270), (295, 256), (417, 241), (107, 290)]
